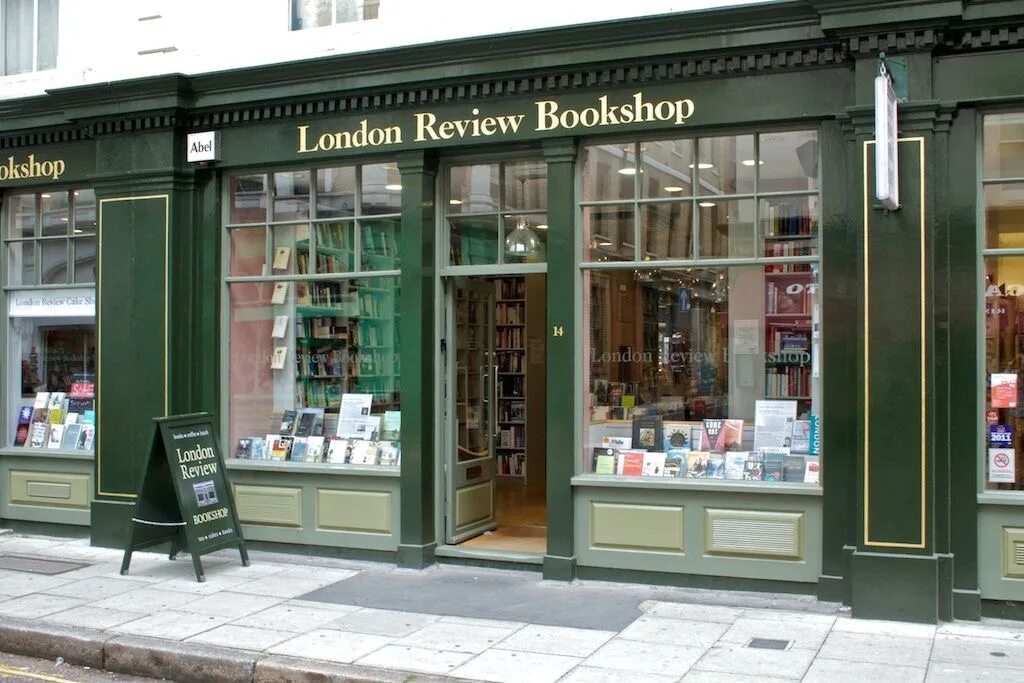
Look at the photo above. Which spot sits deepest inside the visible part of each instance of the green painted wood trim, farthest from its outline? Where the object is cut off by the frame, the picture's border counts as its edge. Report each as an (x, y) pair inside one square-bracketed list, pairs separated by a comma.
[(967, 605), (110, 522), (839, 324), (563, 401), (417, 304), (894, 586), (960, 206)]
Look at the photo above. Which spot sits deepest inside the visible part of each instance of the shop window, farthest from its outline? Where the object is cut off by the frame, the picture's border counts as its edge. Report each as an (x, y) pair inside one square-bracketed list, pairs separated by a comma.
[(28, 35), (50, 368), (497, 213), (1003, 290), (691, 369), (313, 301), (317, 13)]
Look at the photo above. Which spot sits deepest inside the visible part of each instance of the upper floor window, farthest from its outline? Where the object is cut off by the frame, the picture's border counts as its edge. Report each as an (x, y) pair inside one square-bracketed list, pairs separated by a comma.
[(317, 13), (28, 36)]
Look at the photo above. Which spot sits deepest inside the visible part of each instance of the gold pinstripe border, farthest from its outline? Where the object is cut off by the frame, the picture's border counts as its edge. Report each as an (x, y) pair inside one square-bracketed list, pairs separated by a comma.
[(99, 322), (867, 357)]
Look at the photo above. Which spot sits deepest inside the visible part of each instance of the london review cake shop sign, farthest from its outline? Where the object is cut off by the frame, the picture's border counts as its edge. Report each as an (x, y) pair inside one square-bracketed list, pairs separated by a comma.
[(545, 116)]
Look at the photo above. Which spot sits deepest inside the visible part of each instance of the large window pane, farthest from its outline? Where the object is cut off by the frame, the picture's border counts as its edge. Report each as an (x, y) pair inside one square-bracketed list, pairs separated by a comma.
[(608, 172), (54, 268), (1004, 216), (380, 244), (727, 228), (85, 259), (55, 214), (787, 162), (336, 192), (335, 248), (526, 185), (247, 251), (290, 249), (17, 40), (474, 240), (248, 198), (1004, 145), (694, 372), (725, 165), (609, 233), (21, 263), (667, 169), (526, 237), (789, 225), (85, 212), (23, 215), (667, 230), (474, 189), (382, 189), (48, 35), (291, 195)]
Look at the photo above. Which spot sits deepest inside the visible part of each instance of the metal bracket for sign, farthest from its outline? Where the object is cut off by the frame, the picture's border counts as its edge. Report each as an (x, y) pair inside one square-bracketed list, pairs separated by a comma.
[(896, 69)]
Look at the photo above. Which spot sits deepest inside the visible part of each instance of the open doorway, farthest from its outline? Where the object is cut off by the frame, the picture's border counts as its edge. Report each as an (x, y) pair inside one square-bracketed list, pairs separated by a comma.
[(495, 391)]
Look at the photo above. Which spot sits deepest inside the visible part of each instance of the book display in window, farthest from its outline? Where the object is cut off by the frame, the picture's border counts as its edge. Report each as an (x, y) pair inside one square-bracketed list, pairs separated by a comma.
[(59, 420), (788, 328)]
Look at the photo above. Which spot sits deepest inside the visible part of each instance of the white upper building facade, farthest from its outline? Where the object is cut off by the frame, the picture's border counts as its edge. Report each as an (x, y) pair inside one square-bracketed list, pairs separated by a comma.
[(47, 44)]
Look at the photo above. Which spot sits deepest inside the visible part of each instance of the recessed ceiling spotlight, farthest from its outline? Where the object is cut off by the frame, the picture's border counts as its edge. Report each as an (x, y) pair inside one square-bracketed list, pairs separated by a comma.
[(394, 187)]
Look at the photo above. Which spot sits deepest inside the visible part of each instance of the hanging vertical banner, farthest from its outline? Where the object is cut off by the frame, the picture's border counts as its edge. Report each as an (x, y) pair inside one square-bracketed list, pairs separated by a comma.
[(887, 186)]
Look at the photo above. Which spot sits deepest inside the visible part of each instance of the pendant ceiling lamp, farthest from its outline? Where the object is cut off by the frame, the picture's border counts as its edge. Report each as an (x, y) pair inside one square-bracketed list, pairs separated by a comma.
[(522, 241)]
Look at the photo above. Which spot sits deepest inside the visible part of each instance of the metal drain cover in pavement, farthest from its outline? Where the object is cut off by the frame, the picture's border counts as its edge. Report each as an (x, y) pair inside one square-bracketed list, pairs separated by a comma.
[(36, 565), (768, 643)]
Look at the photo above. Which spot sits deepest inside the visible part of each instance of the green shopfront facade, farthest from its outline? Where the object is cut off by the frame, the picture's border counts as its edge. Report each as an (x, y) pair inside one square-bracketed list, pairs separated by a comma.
[(709, 248)]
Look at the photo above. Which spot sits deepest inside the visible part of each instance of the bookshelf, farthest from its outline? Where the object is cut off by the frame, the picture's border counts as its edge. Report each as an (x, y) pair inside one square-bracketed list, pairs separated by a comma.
[(788, 315), (510, 356)]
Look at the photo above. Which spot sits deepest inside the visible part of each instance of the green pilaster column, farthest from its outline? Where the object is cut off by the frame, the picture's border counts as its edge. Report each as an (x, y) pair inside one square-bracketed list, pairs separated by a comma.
[(156, 312), (902, 562), (563, 401), (418, 242)]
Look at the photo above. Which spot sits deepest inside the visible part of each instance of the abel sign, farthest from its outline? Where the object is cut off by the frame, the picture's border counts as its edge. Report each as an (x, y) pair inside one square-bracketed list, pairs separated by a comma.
[(887, 170), (203, 147)]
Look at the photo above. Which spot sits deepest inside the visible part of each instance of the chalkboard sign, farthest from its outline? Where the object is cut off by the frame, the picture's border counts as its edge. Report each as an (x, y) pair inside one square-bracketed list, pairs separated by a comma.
[(184, 497)]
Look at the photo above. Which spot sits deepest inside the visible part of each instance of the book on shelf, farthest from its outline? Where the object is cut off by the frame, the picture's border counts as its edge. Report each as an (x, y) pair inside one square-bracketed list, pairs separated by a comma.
[(364, 452), (773, 423), (675, 435), (812, 471), (753, 470), (86, 437), (243, 449), (24, 425), (277, 447), (307, 420), (288, 422), (793, 467), (773, 462), (55, 408), (730, 436), (314, 448), (801, 441), (337, 450), (710, 430), (37, 435), (647, 432), (675, 462), (42, 400)]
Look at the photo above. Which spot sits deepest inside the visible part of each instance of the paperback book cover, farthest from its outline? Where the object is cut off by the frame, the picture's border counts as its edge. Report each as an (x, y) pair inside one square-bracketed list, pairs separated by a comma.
[(773, 458), (812, 471), (85, 439), (1004, 389), (42, 400), (25, 415), (288, 422), (71, 433), (815, 435), (280, 293), (801, 441), (282, 255), (654, 464), (716, 466), (675, 462), (337, 450), (730, 437), (710, 429), (793, 467), (389, 455), (276, 448), (697, 464), (305, 423), (631, 463), (676, 435), (244, 449), (298, 452), (364, 452), (56, 435), (754, 468), (280, 326), (37, 437), (314, 449), (647, 432), (604, 461), (21, 435), (734, 464), (259, 448)]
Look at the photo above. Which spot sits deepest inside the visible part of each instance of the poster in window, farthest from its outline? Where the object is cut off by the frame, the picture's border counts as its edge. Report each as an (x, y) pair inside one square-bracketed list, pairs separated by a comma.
[(1004, 390)]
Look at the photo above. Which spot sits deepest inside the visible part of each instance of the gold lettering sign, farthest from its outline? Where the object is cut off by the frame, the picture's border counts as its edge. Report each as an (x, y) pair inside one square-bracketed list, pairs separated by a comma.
[(547, 116), (30, 167)]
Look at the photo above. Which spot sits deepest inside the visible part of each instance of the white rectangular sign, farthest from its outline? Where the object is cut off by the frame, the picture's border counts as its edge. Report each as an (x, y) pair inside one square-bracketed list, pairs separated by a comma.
[(203, 147), (1001, 463), (887, 171), (52, 303)]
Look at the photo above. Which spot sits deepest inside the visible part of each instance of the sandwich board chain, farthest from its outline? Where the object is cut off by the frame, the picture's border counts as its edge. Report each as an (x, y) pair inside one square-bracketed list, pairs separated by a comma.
[(184, 498)]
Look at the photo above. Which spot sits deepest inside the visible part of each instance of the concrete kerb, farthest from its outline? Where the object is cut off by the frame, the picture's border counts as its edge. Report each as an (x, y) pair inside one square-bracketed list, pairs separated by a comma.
[(184, 662)]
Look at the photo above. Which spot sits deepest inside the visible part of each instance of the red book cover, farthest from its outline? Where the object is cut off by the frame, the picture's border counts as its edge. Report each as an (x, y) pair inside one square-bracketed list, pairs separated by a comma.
[(631, 463)]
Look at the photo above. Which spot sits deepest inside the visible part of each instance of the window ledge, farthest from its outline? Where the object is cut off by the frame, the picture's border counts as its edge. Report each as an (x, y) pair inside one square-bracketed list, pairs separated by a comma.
[(668, 483), (296, 467), (1007, 498), (54, 453)]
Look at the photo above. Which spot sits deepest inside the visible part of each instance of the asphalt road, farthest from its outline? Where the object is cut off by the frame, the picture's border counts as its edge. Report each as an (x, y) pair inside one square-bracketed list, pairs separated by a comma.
[(16, 669)]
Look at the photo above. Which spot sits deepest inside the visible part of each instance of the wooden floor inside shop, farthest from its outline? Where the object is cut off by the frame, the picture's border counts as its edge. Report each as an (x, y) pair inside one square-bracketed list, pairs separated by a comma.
[(521, 511)]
